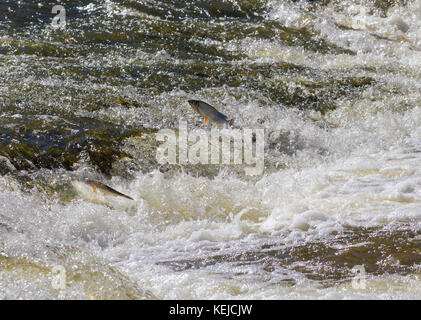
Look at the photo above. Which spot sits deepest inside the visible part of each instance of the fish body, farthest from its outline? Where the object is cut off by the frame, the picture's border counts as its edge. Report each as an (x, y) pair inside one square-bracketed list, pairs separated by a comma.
[(106, 190), (97, 192), (209, 112)]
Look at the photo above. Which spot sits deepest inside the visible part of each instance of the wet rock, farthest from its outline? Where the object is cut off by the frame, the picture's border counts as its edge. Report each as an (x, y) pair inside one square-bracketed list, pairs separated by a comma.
[(6, 166)]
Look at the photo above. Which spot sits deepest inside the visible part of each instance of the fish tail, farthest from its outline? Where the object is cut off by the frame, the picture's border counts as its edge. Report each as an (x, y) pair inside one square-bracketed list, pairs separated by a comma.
[(231, 122)]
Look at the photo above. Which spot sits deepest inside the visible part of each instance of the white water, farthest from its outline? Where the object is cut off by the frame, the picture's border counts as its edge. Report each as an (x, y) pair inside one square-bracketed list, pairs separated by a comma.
[(364, 171)]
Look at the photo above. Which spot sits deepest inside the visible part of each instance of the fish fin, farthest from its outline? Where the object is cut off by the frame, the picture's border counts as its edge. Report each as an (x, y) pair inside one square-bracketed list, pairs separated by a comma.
[(231, 122), (206, 120)]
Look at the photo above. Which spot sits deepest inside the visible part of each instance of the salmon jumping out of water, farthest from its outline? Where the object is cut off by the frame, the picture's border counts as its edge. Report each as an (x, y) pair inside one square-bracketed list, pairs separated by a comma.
[(209, 112), (105, 189)]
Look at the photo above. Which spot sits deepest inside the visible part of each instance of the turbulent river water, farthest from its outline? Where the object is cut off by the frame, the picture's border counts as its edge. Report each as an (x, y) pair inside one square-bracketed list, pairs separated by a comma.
[(334, 85)]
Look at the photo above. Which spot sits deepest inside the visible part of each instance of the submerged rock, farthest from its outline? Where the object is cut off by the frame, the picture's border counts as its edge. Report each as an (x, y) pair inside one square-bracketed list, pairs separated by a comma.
[(84, 277)]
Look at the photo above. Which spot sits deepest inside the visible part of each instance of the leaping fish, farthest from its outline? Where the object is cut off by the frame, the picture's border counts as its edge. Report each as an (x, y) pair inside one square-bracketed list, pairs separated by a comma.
[(209, 112), (106, 190)]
